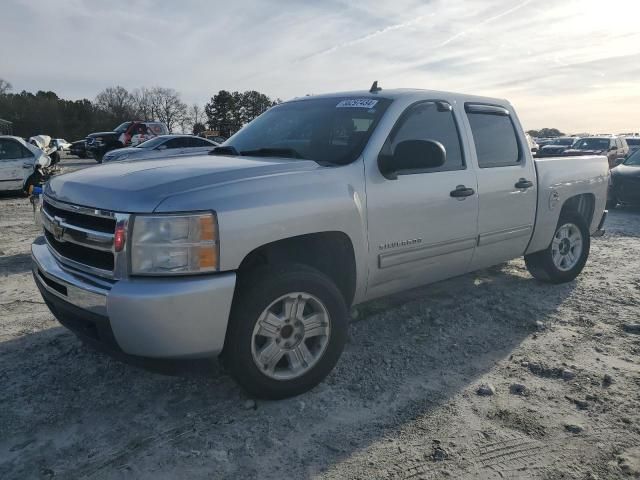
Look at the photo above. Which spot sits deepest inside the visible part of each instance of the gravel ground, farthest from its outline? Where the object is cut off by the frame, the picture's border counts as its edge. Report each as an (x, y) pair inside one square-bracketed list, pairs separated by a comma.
[(488, 375)]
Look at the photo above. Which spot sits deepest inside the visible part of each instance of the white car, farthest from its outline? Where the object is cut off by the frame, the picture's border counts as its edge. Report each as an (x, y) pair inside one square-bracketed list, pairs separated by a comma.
[(62, 144), (162, 146), (18, 160)]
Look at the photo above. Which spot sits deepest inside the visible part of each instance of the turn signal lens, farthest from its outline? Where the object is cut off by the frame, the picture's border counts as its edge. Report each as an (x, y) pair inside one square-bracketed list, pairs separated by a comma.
[(208, 257), (208, 228), (119, 238)]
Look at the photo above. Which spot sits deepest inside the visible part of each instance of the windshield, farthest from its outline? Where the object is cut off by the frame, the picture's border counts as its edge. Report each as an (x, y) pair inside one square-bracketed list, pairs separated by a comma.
[(563, 141), (152, 142), (633, 160), (633, 141), (592, 144), (122, 127), (326, 130)]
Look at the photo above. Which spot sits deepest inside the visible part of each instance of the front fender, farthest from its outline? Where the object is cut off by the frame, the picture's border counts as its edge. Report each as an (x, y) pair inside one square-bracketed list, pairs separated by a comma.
[(255, 212)]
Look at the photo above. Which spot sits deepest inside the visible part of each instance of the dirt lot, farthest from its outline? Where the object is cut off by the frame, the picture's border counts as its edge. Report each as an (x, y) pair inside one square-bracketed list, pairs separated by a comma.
[(562, 363)]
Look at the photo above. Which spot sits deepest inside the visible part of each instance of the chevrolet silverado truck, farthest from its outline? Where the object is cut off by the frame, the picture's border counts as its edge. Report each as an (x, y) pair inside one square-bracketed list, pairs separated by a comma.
[(256, 253)]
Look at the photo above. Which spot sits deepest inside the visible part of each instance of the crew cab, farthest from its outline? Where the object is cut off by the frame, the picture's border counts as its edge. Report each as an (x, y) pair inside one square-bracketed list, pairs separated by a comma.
[(323, 202), (127, 134)]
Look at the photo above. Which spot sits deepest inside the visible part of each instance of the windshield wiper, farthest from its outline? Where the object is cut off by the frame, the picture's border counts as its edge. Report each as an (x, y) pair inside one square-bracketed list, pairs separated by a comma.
[(226, 150), (273, 152)]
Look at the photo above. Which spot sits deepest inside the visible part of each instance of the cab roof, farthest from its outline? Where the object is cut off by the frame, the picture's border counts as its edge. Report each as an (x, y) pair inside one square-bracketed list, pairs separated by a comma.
[(408, 94)]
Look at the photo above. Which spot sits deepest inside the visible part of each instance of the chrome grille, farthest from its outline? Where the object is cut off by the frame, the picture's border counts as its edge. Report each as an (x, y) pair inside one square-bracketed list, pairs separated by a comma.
[(82, 237)]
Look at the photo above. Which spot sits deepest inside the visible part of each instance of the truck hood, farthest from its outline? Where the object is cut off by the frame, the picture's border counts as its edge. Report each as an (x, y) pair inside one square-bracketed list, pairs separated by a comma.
[(138, 187)]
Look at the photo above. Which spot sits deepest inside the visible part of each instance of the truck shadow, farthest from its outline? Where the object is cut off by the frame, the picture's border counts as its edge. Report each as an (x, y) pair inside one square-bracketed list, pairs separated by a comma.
[(79, 413), (18, 263)]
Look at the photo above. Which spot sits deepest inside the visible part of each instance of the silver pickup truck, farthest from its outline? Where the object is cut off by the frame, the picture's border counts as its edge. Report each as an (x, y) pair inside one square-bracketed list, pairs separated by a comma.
[(256, 252)]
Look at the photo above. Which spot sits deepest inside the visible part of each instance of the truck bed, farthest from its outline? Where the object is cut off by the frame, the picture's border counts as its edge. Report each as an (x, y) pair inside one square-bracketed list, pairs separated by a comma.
[(560, 178)]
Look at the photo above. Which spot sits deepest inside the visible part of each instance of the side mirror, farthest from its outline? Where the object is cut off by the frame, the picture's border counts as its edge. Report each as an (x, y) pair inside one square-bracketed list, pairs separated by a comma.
[(161, 147), (412, 156), (619, 160)]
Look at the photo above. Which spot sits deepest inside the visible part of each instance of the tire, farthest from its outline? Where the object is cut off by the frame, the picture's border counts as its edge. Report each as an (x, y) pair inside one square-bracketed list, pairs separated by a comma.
[(269, 288), (542, 265)]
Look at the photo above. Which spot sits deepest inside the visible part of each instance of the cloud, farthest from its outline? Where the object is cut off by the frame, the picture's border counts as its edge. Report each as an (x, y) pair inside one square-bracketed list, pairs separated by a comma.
[(557, 61)]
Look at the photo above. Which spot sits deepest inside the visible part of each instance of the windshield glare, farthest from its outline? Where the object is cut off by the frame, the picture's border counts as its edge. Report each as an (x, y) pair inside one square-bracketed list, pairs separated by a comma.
[(151, 143), (592, 144), (633, 160), (326, 130)]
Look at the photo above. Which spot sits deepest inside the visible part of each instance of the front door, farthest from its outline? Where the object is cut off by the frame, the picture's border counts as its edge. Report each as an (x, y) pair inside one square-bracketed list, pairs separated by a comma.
[(419, 231), (507, 185)]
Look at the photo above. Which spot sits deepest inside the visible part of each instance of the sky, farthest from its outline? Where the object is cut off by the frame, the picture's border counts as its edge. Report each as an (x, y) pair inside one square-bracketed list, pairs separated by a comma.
[(569, 64)]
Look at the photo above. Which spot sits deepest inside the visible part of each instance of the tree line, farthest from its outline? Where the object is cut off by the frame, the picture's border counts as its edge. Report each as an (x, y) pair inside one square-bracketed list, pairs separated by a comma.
[(44, 112), (546, 133)]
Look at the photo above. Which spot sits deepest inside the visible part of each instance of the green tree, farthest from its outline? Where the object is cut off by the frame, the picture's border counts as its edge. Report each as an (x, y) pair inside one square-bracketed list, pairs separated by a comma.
[(228, 111)]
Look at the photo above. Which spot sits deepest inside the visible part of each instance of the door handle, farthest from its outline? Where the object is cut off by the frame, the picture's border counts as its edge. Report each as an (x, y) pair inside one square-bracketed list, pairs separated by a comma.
[(461, 191), (524, 183), (27, 165)]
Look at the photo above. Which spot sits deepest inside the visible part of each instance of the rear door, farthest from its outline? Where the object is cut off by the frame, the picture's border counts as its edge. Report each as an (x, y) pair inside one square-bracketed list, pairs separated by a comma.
[(507, 185), (16, 163), (418, 231)]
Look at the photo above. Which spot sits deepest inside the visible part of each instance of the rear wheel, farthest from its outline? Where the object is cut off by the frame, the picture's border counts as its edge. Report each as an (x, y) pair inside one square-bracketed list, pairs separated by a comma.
[(287, 329), (566, 256)]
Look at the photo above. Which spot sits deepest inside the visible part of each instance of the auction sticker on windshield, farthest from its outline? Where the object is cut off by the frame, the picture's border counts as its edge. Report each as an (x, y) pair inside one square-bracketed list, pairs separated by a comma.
[(357, 103)]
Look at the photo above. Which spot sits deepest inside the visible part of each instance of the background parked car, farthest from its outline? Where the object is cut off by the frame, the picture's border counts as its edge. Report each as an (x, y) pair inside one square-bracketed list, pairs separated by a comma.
[(615, 148), (18, 160), (79, 149), (556, 146), (634, 144), (163, 146), (625, 182), (61, 144), (126, 134)]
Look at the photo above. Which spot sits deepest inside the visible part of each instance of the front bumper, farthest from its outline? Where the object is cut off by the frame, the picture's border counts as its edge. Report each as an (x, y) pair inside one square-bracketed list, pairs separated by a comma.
[(155, 318)]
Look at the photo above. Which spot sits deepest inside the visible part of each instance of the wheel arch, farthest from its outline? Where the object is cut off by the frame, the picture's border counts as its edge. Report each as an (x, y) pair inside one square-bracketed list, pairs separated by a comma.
[(583, 204), (330, 252)]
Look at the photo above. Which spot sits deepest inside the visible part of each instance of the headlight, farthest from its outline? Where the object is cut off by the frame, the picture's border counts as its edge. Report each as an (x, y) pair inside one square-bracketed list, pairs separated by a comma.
[(174, 244)]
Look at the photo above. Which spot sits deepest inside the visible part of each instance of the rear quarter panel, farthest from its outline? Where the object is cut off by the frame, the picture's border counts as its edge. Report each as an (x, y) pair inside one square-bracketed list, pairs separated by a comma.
[(559, 179)]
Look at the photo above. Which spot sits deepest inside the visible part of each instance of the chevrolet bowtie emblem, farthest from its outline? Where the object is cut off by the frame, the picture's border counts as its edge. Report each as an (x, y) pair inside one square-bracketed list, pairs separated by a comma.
[(57, 230)]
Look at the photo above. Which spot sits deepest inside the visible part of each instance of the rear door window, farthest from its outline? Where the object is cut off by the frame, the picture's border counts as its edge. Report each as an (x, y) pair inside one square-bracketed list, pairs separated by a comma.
[(494, 136), (199, 142), (178, 142)]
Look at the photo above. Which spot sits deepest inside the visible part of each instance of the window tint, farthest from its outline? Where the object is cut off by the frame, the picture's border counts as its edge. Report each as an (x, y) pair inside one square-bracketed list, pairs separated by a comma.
[(178, 142), (10, 150), (495, 140), (199, 142), (426, 121)]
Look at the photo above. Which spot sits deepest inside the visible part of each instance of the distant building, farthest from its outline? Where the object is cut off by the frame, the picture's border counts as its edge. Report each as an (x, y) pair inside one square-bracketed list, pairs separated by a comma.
[(6, 127)]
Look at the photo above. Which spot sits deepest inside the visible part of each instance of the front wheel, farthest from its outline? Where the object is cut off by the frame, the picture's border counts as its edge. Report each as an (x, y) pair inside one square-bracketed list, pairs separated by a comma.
[(565, 257), (287, 329)]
